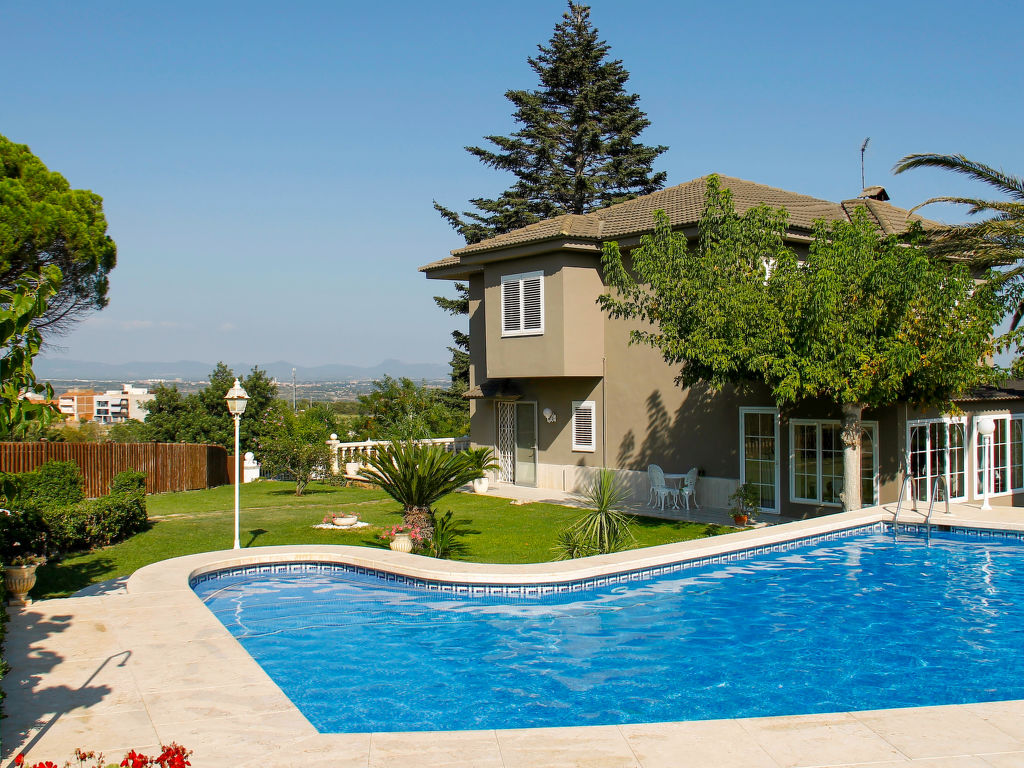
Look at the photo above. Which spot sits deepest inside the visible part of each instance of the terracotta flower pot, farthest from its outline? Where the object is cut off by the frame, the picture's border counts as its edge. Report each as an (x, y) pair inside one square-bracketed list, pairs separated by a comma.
[(402, 542), (19, 580), (740, 519)]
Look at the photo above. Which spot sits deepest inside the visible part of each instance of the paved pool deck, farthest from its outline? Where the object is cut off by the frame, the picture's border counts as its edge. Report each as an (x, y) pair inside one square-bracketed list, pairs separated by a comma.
[(149, 664)]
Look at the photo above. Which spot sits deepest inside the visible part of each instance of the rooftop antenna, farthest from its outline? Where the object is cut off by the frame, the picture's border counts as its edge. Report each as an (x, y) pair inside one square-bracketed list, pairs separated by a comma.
[(863, 147)]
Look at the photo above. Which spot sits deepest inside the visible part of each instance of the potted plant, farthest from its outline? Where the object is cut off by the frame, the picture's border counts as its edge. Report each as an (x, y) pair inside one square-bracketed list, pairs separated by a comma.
[(402, 538), (352, 465), (482, 459), (20, 577), (746, 503)]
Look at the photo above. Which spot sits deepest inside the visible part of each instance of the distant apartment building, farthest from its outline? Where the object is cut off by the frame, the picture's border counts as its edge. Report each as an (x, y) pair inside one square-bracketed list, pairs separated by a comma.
[(78, 404), (109, 407)]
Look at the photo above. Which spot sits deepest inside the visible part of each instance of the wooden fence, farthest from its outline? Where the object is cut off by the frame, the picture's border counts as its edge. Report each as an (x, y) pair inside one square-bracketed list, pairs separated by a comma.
[(168, 466)]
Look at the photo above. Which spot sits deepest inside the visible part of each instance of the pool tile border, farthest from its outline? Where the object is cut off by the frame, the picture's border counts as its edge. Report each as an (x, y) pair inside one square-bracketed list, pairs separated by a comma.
[(585, 584)]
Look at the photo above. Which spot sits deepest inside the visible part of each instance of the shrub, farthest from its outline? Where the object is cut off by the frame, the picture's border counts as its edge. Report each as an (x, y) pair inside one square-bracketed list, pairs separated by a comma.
[(128, 481), (22, 532), (55, 483), (96, 522)]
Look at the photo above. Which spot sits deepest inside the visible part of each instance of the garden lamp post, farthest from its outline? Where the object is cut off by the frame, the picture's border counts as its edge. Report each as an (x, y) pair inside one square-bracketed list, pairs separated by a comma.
[(236, 399), (985, 428)]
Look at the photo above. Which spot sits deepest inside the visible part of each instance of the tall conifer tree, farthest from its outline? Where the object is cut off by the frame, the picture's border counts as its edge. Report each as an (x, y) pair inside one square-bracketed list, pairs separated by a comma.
[(576, 149)]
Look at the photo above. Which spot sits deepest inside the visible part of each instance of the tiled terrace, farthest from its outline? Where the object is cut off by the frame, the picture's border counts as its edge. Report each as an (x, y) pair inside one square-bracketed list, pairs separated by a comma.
[(150, 664)]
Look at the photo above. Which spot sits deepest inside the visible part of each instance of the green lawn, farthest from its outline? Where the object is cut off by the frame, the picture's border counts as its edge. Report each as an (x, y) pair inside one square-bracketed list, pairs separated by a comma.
[(492, 530)]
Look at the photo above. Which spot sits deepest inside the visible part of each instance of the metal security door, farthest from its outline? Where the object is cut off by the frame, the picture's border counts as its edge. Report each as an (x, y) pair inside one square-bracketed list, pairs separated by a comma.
[(506, 442)]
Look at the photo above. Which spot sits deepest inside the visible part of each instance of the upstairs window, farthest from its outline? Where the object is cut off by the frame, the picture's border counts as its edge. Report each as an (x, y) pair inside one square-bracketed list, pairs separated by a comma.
[(583, 438), (522, 304)]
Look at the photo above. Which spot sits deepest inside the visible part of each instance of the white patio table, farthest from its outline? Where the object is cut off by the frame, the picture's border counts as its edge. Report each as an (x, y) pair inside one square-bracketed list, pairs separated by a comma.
[(678, 479)]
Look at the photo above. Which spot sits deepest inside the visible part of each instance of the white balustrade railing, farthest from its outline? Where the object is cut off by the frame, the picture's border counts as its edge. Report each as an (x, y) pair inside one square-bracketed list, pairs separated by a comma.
[(346, 453)]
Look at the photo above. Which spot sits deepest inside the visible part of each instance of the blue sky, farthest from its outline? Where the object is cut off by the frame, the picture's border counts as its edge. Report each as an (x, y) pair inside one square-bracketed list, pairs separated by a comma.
[(267, 169)]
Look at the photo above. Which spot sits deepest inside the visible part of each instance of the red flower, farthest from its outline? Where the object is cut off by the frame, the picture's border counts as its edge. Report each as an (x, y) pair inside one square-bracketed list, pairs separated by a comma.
[(174, 756), (47, 764), (19, 760), (134, 760)]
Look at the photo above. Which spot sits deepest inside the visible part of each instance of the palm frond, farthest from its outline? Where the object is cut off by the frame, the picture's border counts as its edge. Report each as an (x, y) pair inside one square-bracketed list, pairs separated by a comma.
[(417, 475), (1004, 182)]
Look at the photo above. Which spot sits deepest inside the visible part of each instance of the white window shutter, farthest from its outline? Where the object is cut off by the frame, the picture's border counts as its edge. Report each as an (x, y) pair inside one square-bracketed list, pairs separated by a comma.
[(533, 304), (511, 316), (583, 427), (522, 304)]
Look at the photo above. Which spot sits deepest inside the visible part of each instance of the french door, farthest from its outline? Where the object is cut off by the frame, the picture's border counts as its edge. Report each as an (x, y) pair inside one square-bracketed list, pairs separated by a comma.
[(936, 450)]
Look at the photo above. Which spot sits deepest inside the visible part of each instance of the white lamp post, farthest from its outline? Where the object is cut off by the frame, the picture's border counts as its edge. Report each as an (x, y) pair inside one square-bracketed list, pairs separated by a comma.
[(985, 428), (236, 399)]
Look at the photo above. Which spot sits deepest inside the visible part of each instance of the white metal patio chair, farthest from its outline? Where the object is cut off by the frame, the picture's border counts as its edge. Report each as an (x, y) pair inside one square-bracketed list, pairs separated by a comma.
[(660, 489), (689, 489)]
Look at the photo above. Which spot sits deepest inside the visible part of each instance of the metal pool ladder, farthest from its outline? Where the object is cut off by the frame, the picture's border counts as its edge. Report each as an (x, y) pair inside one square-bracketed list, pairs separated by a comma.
[(931, 504), (939, 481)]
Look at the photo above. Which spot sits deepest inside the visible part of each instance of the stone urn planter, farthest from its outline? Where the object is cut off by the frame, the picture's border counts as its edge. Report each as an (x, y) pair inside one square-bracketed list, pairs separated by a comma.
[(351, 468), (345, 521), (480, 485), (402, 542), (19, 580)]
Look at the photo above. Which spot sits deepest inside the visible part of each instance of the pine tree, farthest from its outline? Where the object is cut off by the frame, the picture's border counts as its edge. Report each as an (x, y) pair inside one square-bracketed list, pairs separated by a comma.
[(576, 149)]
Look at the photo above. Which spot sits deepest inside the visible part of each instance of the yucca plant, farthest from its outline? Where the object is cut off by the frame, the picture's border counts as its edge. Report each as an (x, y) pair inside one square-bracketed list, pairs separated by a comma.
[(604, 527), (416, 476)]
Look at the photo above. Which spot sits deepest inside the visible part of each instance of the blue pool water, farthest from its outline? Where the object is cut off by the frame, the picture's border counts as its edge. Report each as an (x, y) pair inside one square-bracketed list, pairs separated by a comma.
[(857, 623)]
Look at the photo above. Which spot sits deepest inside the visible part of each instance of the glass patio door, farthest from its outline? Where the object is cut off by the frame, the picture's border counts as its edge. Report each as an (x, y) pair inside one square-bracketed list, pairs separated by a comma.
[(526, 444), (517, 443)]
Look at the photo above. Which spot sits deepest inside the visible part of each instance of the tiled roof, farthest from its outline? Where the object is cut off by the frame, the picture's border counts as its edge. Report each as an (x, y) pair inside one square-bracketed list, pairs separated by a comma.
[(1013, 389), (684, 205)]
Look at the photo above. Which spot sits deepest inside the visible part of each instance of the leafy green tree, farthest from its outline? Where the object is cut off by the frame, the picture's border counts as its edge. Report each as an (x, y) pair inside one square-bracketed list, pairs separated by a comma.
[(296, 444), (43, 222), (864, 321), (131, 431), (203, 417), (399, 409), (576, 148), (21, 306)]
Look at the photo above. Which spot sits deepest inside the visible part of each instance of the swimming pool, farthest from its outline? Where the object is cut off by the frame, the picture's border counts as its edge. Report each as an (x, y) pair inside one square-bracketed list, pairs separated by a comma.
[(853, 622)]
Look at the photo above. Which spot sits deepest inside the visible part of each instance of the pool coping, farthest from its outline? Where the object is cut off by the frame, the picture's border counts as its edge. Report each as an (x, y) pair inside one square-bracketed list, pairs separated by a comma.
[(212, 682)]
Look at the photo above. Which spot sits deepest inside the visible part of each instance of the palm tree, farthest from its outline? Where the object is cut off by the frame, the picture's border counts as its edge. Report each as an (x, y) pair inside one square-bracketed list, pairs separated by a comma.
[(995, 241), (416, 476)]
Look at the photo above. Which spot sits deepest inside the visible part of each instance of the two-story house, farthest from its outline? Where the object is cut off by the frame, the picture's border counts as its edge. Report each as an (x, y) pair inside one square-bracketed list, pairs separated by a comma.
[(558, 391)]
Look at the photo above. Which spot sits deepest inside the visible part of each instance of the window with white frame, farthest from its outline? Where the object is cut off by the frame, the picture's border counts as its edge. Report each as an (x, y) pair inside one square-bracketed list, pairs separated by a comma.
[(522, 304), (759, 465), (816, 462), (583, 426), (937, 451), (1007, 456)]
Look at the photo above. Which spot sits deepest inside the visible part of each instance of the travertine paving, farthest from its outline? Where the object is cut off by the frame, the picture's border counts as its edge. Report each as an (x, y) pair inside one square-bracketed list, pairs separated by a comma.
[(151, 665)]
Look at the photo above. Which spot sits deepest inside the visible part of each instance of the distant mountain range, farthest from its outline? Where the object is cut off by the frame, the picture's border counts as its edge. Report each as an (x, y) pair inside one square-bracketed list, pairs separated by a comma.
[(192, 370)]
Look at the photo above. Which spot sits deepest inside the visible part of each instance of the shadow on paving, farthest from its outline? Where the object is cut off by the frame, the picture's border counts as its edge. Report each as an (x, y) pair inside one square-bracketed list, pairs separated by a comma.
[(63, 577), (30, 708)]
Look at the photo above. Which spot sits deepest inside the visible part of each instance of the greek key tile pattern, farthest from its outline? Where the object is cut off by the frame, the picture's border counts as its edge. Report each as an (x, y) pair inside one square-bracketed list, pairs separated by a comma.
[(582, 585)]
